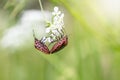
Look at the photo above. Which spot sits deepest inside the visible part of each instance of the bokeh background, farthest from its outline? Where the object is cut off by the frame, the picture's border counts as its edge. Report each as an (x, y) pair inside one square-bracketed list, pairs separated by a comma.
[(93, 51)]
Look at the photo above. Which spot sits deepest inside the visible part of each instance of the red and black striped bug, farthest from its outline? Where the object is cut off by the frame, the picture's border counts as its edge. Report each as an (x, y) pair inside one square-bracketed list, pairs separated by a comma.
[(39, 45), (59, 45)]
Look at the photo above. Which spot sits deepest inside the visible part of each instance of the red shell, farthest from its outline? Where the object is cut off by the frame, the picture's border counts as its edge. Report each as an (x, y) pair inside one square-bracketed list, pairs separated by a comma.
[(41, 46), (60, 44), (56, 47)]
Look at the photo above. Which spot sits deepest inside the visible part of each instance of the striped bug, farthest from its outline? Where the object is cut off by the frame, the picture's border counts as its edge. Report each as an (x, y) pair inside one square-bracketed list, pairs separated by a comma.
[(39, 45), (59, 45)]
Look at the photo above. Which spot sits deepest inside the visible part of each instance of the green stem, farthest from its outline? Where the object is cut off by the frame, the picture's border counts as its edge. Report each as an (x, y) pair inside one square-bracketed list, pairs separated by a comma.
[(40, 3)]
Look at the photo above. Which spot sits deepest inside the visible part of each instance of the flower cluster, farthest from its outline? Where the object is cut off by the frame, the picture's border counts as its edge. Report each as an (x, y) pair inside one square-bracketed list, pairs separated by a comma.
[(55, 28), (55, 33)]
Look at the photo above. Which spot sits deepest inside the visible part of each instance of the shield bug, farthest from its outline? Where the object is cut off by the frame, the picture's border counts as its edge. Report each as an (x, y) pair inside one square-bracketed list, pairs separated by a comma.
[(39, 45), (60, 44)]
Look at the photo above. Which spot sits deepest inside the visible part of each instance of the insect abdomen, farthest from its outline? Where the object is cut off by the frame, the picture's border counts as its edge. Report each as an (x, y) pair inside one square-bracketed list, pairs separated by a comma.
[(41, 46), (59, 45)]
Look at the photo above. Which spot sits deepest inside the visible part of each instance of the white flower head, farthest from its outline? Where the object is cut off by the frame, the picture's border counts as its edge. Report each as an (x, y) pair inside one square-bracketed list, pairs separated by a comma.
[(56, 9), (57, 20), (56, 25)]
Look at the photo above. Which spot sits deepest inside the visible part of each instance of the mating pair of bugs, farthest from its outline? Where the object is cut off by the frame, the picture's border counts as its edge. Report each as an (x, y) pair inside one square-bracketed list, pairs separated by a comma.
[(60, 44)]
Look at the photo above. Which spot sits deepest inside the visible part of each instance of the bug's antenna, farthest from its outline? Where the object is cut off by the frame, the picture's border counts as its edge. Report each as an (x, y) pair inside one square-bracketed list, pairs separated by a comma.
[(61, 33), (34, 34)]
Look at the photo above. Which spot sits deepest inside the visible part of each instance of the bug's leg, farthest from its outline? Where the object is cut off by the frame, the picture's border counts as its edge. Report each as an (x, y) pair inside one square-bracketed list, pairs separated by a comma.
[(57, 38), (34, 34), (43, 40), (54, 40), (61, 32), (35, 39), (63, 29)]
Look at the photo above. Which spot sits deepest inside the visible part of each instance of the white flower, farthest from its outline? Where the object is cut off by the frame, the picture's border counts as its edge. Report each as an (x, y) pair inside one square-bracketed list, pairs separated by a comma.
[(49, 29), (53, 36), (56, 11), (56, 32), (43, 40), (49, 39), (46, 39), (55, 26)]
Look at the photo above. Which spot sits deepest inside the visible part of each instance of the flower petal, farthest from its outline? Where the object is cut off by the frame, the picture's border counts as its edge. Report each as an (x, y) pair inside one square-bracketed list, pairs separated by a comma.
[(56, 9)]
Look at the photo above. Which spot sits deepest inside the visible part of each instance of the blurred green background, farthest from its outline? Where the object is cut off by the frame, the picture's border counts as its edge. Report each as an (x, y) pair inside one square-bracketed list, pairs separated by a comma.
[(93, 51)]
